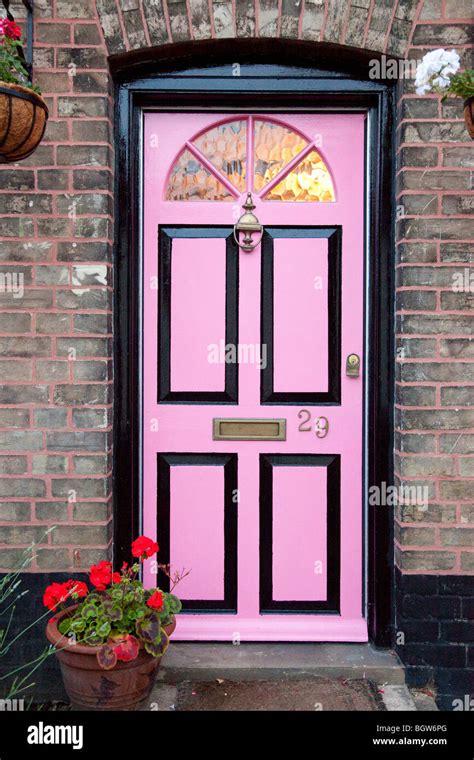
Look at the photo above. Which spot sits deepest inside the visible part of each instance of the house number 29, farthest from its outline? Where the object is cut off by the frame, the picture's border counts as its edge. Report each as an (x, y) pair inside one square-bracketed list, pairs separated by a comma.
[(321, 424)]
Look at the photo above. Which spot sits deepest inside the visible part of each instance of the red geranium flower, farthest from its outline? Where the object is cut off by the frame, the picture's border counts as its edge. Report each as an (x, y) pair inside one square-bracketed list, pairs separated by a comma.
[(116, 577), (10, 29), (101, 575), (156, 601), (144, 547), (55, 594), (77, 587)]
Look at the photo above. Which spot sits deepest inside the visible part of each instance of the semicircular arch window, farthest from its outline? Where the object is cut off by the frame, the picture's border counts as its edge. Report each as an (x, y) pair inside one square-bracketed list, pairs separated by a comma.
[(253, 154)]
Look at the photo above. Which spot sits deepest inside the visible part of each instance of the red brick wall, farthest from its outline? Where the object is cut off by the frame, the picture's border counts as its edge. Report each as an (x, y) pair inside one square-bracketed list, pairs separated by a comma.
[(56, 230)]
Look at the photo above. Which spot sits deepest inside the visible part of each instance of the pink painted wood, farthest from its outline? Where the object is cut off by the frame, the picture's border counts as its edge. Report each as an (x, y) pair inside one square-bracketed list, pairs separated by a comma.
[(300, 314)]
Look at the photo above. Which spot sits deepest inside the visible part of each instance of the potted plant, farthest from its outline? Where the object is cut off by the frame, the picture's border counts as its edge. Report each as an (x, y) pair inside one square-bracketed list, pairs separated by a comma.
[(438, 72), (111, 641), (23, 112)]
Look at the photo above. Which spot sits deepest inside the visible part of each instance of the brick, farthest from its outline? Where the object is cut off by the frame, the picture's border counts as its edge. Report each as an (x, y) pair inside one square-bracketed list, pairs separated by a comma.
[(85, 179), (179, 23), (97, 81), (94, 371), (438, 419), (52, 323), (268, 18), (53, 559), (456, 489), (91, 227), (96, 465), (459, 443), (17, 179), (290, 15), (81, 534), (200, 20), (417, 252), (29, 251), (86, 34), (447, 372), (43, 58), (458, 157), (155, 20), (416, 536), (21, 534), (13, 465), (427, 560), (454, 396), (433, 513), (87, 203), (90, 274), (457, 301), (53, 179), (444, 34), (14, 511), (92, 323), (434, 180), (52, 275), (84, 346), (97, 298), (50, 418), (15, 323), (53, 82), (457, 537), (435, 132), (458, 204), (443, 229), (417, 466), (83, 488), (11, 227), (415, 348), (467, 561), (133, 23), (84, 558), (76, 441), (15, 370), (75, 9), (94, 511), (419, 108), (435, 324), (466, 466), (83, 155), (23, 394), (415, 300), (52, 511), (457, 348), (52, 370), (416, 443), (356, 24), (467, 513), (20, 441), (418, 204), (462, 252), (81, 394), (53, 227), (431, 607), (91, 131), (419, 156), (49, 464), (81, 106), (409, 395), (448, 656), (25, 346), (91, 251), (223, 18), (14, 418), (457, 631), (418, 631)]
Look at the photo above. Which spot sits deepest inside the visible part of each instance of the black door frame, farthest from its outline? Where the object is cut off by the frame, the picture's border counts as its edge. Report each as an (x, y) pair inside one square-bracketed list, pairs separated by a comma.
[(262, 84)]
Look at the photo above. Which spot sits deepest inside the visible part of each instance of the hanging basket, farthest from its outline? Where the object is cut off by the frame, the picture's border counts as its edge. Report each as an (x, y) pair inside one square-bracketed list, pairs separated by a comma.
[(23, 117), (469, 116)]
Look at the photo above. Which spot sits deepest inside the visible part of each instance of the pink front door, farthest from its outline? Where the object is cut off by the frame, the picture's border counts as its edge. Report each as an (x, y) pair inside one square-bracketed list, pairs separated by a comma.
[(252, 413)]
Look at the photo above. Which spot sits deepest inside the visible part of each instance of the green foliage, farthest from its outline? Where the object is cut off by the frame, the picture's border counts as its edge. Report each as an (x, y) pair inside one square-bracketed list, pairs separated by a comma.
[(462, 85), (118, 617), (12, 68)]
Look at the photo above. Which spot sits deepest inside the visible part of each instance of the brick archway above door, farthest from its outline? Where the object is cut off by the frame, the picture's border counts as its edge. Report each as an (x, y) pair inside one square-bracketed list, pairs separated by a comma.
[(383, 26)]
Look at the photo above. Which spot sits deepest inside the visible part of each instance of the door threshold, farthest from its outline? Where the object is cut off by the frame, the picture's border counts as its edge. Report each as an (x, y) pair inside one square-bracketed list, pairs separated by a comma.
[(247, 661), (274, 627)]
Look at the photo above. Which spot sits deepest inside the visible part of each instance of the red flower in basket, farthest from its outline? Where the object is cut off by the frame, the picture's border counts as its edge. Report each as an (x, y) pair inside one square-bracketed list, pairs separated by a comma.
[(10, 29), (101, 575), (55, 594), (156, 601), (144, 547)]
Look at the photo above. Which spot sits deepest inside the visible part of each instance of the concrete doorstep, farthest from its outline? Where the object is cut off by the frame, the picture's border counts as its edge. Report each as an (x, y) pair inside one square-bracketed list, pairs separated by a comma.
[(186, 663)]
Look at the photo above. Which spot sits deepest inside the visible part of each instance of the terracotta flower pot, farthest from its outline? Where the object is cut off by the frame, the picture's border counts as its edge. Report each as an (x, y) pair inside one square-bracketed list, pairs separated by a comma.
[(469, 116), (127, 686), (23, 117)]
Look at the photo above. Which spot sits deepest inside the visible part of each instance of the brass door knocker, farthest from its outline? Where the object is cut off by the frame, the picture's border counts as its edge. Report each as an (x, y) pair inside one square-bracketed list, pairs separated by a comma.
[(248, 224)]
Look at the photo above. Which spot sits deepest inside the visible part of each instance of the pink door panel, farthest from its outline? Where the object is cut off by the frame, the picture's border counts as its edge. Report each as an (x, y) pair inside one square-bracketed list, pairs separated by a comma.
[(270, 530)]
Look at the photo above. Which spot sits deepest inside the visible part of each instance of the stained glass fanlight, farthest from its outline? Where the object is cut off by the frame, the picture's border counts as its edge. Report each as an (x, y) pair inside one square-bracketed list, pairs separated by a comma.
[(215, 165)]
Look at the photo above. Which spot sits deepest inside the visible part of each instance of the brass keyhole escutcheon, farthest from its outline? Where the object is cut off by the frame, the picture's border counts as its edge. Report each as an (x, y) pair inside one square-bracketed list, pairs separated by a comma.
[(353, 365)]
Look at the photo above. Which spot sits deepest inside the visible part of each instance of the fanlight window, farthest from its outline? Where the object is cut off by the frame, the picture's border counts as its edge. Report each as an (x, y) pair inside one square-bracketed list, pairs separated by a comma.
[(266, 157)]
